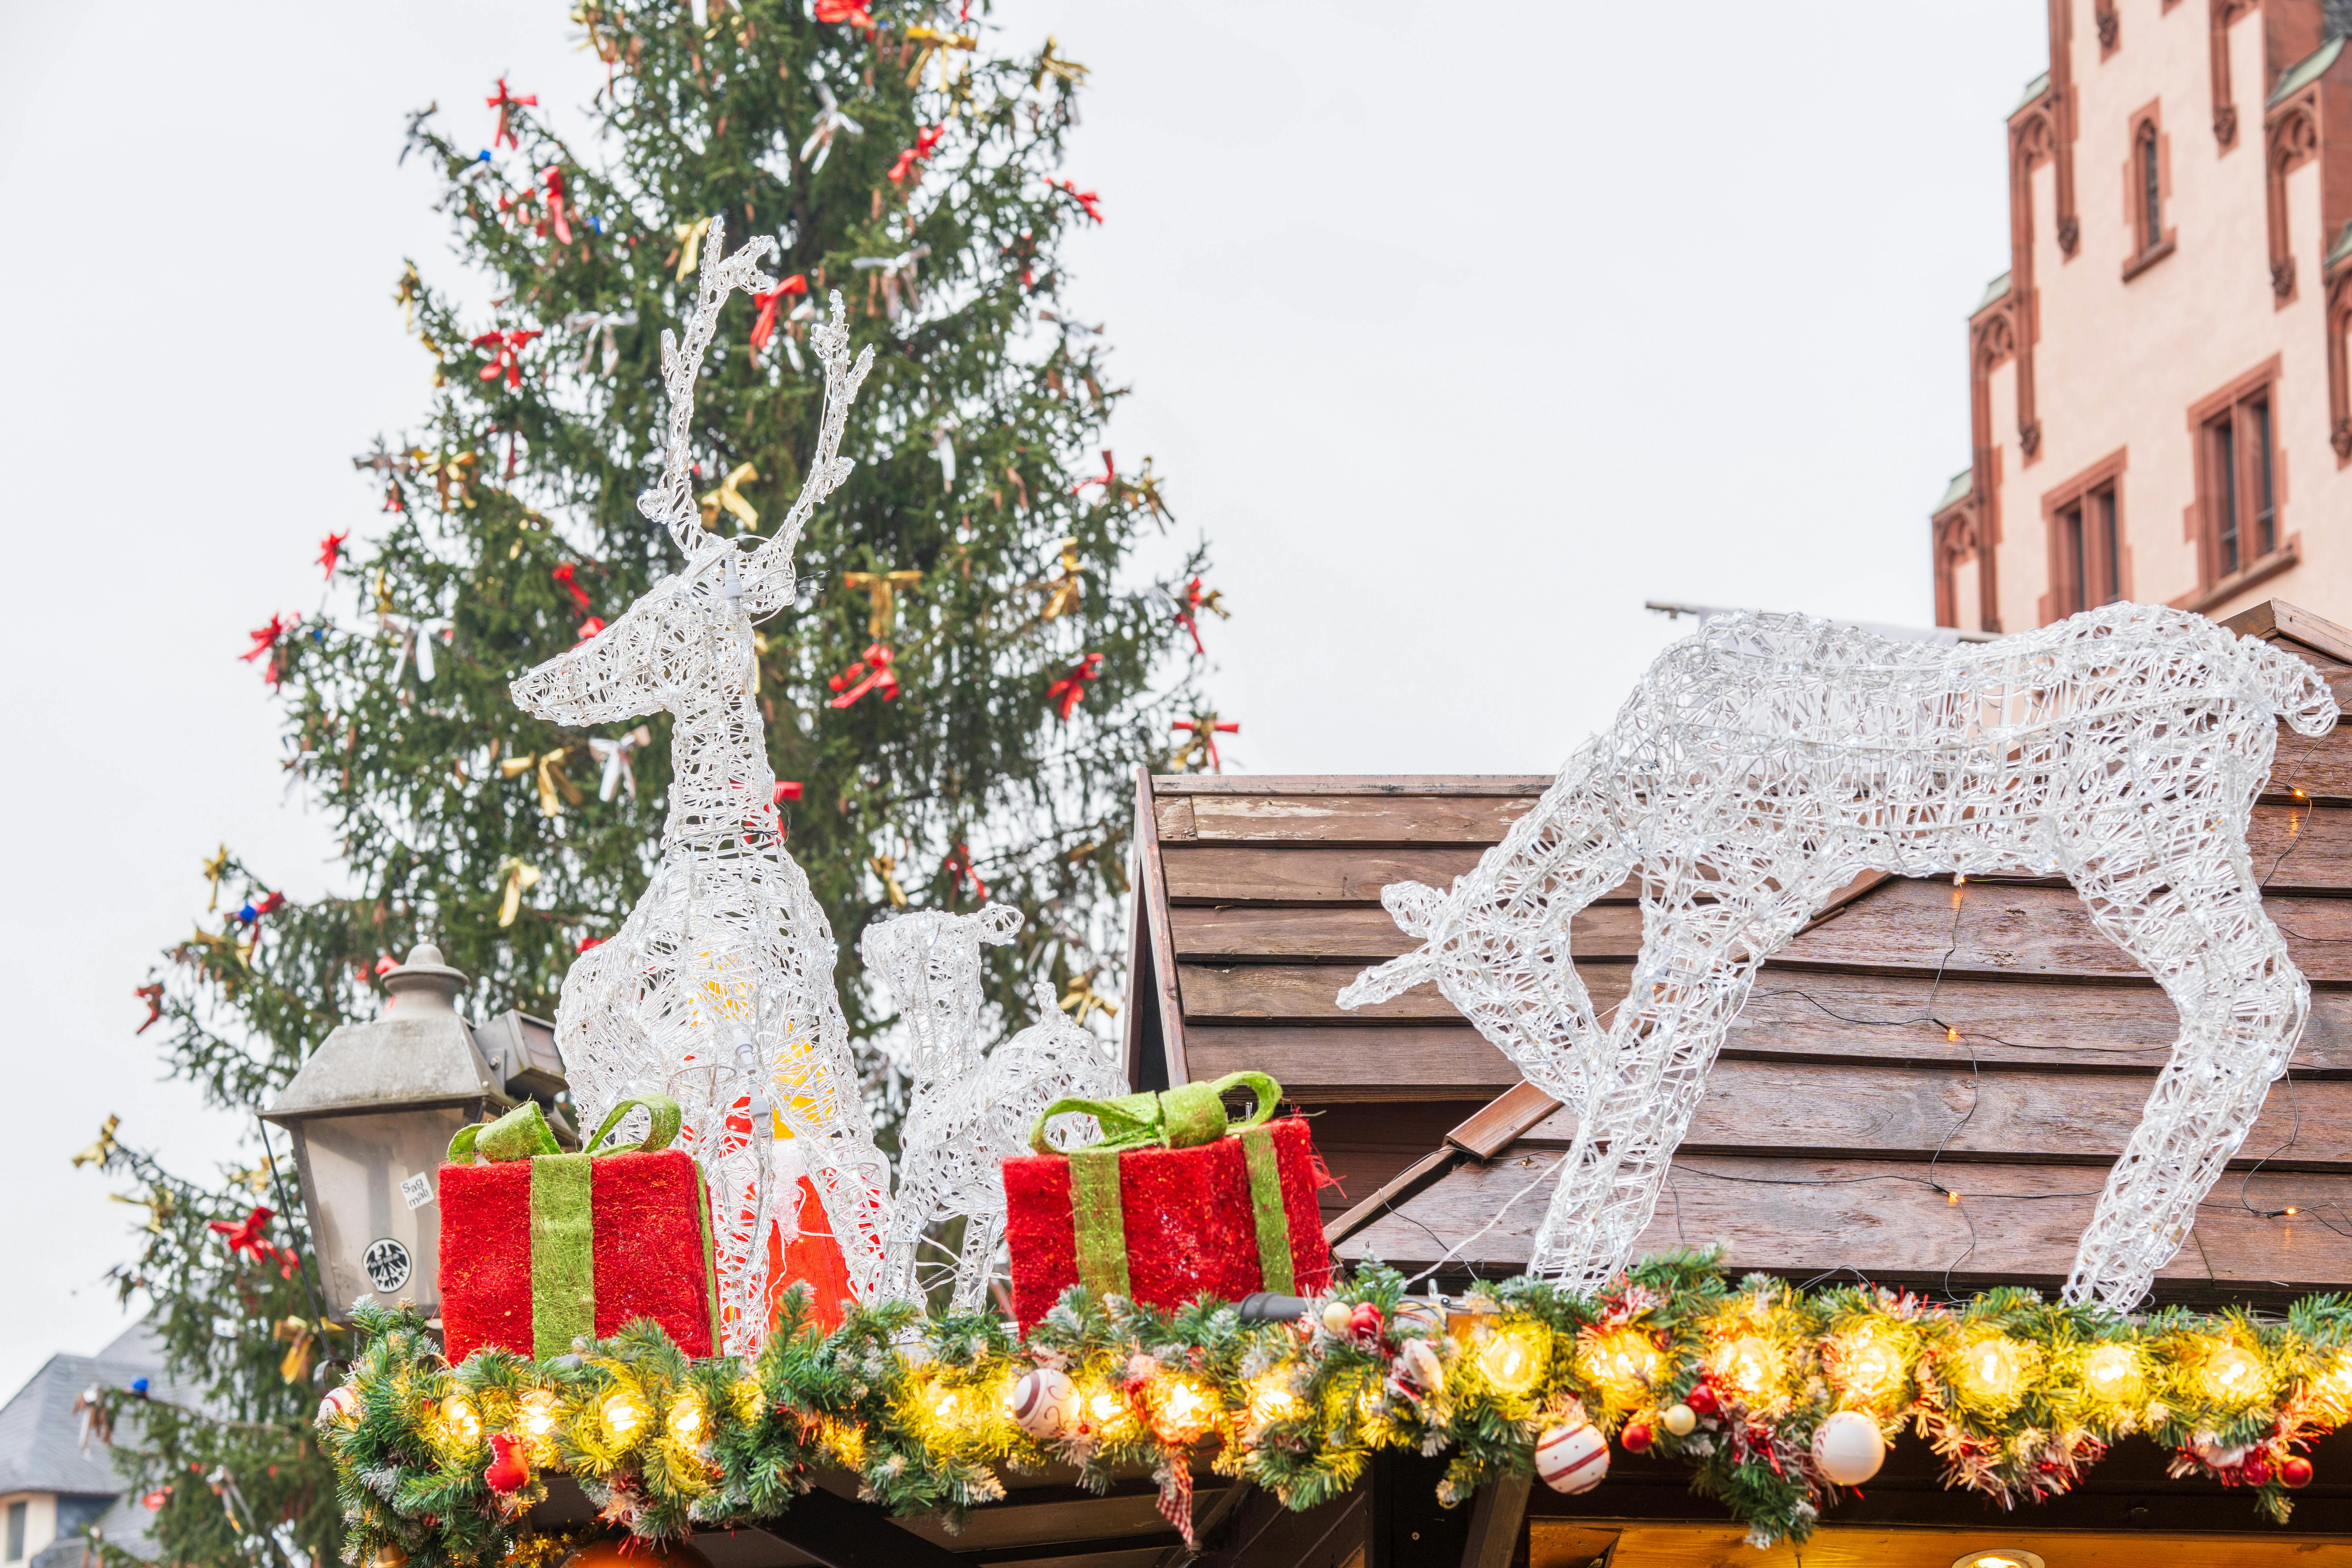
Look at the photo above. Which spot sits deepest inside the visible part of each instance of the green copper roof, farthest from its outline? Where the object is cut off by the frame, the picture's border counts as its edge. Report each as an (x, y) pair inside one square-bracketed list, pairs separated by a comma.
[(1993, 291), (1962, 483), (2343, 249), (2033, 90), (2313, 67)]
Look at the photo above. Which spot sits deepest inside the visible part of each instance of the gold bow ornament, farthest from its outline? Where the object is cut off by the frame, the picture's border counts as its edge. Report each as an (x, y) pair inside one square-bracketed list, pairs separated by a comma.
[(553, 783), (881, 590), (519, 875)]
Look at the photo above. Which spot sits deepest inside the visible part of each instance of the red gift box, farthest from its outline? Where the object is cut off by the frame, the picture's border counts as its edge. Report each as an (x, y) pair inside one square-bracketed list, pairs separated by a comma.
[(1202, 1208), (539, 1247)]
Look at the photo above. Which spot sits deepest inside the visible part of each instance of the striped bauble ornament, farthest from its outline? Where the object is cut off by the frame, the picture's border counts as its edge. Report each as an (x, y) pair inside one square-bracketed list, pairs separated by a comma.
[(1572, 1457)]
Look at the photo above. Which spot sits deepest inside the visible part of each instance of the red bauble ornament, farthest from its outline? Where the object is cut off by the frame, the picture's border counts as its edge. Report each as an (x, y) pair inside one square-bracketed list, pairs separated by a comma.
[(1701, 1399), (2294, 1470), (2257, 1470), (628, 1552), (1364, 1324), (507, 1471), (1635, 1438)]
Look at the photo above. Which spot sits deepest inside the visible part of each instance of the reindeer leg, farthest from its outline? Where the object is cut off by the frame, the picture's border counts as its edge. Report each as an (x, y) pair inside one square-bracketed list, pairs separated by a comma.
[(1697, 965), (2243, 1004), (983, 1230)]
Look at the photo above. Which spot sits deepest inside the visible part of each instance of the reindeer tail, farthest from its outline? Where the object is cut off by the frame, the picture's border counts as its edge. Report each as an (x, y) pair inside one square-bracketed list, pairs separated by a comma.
[(2303, 699)]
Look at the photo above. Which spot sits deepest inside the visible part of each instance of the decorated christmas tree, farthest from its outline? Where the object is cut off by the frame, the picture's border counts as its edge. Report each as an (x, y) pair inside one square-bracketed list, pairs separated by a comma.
[(975, 666)]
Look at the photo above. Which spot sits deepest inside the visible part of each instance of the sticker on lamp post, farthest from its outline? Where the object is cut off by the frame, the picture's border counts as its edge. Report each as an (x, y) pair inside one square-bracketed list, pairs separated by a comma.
[(417, 1190), (387, 1264)]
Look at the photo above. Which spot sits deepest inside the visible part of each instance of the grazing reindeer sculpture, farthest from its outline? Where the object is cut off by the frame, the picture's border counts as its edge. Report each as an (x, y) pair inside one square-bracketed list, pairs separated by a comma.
[(970, 1112), (727, 948), (1767, 761)]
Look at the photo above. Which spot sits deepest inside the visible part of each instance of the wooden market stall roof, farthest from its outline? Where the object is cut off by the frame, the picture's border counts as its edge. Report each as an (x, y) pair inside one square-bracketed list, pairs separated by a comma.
[(1842, 1128)]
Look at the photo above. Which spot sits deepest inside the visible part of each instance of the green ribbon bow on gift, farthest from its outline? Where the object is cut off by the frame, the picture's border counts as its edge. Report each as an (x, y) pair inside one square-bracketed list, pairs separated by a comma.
[(1183, 1118), (562, 1209)]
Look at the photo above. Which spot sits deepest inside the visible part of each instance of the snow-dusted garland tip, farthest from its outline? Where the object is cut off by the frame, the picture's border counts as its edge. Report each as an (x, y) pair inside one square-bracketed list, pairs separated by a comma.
[(1769, 761)]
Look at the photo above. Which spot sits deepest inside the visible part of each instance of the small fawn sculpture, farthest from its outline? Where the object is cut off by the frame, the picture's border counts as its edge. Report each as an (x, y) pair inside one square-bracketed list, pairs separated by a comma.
[(970, 1111), (726, 946), (1767, 761)]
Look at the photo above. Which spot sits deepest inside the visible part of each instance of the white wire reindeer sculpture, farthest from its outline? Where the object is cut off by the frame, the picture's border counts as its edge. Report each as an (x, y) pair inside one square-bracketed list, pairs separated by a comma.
[(1766, 762), (969, 1114), (726, 946)]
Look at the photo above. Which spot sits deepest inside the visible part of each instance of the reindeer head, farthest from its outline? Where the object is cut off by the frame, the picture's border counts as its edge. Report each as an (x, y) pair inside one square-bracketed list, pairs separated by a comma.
[(930, 959), (691, 632)]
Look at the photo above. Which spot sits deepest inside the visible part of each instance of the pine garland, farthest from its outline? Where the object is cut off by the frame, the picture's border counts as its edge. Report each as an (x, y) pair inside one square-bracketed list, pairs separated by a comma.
[(2018, 1395)]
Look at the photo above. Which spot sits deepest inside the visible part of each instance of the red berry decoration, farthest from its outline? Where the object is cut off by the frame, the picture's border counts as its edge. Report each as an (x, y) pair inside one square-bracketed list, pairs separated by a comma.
[(2294, 1470), (1635, 1438), (506, 1472), (1701, 1399)]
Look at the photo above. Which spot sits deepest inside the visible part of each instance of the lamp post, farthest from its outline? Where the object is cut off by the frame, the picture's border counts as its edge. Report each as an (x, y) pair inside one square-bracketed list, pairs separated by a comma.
[(371, 1113)]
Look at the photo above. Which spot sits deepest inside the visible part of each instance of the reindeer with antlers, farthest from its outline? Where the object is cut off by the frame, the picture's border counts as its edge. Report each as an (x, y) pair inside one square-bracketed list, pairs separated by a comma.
[(718, 988), (1767, 761), (969, 1114)]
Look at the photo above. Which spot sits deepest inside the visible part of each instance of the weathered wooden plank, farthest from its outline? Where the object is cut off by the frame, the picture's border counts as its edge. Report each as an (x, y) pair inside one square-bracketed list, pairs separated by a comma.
[(1359, 1064), (1347, 819), (1882, 1217), (1351, 783), (1207, 933), (1835, 1110), (1652, 1544), (2013, 929), (1848, 1017), (1235, 873)]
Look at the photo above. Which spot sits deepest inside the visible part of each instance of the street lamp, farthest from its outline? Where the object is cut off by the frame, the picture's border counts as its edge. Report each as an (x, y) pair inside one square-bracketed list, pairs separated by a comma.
[(371, 1113)]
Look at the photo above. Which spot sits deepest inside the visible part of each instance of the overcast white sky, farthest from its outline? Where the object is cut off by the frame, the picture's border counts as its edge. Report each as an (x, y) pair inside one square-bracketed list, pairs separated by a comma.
[(1458, 340)]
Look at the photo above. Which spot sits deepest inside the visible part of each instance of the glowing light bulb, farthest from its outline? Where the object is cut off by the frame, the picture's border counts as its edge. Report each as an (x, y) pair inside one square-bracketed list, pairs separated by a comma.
[(1746, 1363), (1512, 1361), (1951, 1034), (2235, 1374), (1271, 1400), (622, 1413), (2112, 1371), (686, 1421), (538, 1414), (1869, 1367), (461, 1421), (1181, 1411), (1996, 1366)]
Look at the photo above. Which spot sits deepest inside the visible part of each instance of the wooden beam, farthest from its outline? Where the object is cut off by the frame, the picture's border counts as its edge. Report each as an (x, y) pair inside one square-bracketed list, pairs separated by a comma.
[(2275, 617), (1502, 1122), (1392, 1195), (1272, 817), (1562, 1542), (1495, 1521), (842, 1532), (1151, 877)]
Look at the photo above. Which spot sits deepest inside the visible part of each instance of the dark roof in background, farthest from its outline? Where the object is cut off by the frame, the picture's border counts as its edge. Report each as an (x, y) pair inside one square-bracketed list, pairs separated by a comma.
[(40, 1436)]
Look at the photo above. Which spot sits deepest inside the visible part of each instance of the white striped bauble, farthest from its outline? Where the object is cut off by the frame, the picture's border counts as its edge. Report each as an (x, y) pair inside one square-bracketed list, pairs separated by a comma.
[(1848, 1448), (1572, 1458), (1044, 1403)]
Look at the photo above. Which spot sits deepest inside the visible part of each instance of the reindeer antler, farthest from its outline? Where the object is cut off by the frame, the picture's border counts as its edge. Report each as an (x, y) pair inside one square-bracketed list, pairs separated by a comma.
[(771, 573), (670, 503)]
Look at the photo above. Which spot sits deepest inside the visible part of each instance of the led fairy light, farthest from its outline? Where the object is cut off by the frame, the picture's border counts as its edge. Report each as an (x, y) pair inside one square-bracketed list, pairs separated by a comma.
[(2112, 1371), (1866, 1367), (2234, 1375), (623, 1414), (1622, 1361), (1514, 1358), (725, 905), (1766, 762)]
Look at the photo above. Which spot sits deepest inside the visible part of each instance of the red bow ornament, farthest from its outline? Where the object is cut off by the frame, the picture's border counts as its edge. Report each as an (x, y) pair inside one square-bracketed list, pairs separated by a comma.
[(331, 552), (1108, 479), (266, 640), (829, 11), (959, 865), (771, 303), (1087, 200), (505, 358), (564, 576), (552, 178), (1202, 742), (249, 1234), (153, 994), (1066, 693), (1196, 601), (926, 143), (871, 672), (505, 101)]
